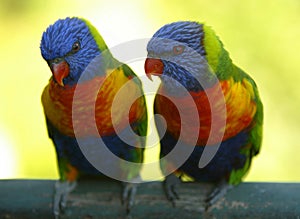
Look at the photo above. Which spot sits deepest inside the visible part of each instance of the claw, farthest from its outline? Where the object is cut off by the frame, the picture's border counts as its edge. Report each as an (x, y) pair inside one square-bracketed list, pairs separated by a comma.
[(171, 184), (217, 193), (128, 194), (62, 190)]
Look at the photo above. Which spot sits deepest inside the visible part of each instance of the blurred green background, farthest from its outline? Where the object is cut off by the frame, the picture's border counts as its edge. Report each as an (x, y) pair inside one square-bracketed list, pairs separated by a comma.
[(262, 38)]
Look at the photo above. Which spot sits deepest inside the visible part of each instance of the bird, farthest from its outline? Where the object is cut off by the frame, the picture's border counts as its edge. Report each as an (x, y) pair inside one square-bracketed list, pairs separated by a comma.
[(207, 103), (91, 102)]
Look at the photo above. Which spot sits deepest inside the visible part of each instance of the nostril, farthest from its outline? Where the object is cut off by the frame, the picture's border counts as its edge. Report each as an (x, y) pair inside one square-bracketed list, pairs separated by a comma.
[(57, 60)]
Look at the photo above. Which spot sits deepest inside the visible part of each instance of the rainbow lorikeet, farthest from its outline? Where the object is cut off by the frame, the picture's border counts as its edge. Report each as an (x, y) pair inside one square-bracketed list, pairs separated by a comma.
[(89, 108), (192, 64)]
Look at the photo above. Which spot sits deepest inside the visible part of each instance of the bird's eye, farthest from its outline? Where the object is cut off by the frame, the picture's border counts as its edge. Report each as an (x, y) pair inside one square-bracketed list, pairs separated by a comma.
[(177, 50), (76, 47)]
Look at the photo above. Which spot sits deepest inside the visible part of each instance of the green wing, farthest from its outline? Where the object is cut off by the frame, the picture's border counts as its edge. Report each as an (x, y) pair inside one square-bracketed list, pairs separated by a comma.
[(255, 133), (141, 124)]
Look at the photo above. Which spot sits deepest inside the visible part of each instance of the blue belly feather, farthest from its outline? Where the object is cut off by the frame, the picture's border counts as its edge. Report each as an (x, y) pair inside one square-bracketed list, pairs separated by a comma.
[(226, 159), (67, 147)]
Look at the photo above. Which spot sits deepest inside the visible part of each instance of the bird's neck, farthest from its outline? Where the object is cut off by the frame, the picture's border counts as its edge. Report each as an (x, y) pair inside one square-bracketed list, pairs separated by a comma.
[(97, 67), (181, 87)]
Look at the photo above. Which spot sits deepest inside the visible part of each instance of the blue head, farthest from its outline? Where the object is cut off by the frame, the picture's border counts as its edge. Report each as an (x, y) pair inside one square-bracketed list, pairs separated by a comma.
[(68, 46), (176, 51)]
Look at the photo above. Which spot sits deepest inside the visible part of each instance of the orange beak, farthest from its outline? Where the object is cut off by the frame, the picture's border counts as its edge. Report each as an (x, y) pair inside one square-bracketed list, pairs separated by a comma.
[(60, 70), (153, 67)]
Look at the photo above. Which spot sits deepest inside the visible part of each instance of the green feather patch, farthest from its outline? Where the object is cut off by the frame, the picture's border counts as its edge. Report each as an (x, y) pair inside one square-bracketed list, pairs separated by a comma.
[(98, 38), (212, 47)]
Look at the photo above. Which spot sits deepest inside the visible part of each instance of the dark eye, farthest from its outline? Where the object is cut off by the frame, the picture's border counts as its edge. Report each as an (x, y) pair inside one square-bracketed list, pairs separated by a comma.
[(177, 50), (76, 47)]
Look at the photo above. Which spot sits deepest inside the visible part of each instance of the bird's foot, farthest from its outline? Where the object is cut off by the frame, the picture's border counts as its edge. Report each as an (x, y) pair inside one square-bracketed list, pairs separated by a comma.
[(219, 191), (171, 184), (62, 190), (128, 193)]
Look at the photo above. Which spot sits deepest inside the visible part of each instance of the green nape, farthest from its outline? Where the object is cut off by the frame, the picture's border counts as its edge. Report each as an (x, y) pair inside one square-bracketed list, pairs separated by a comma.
[(217, 57), (98, 38), (212, 47)]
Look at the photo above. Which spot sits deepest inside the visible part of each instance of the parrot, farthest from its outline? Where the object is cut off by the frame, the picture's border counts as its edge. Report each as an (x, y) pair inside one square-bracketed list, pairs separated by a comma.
[(197, 73), (91, 101)]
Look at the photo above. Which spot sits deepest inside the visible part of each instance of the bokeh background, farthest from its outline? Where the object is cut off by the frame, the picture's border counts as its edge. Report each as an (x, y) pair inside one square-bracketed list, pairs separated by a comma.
[(262, 38)]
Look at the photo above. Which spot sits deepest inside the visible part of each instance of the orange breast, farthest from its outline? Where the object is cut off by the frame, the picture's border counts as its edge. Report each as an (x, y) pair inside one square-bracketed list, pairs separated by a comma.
[(90, 110), (239, 110)]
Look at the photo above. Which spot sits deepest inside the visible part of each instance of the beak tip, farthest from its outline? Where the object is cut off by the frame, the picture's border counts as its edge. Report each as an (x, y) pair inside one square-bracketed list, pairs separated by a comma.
[(149, 76), (61, 83)]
